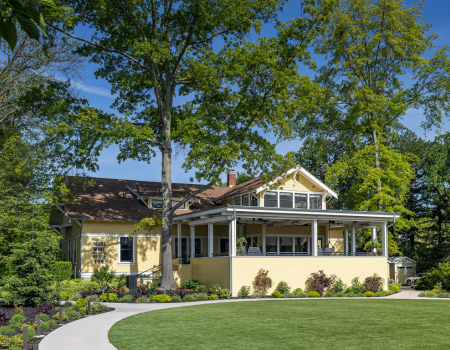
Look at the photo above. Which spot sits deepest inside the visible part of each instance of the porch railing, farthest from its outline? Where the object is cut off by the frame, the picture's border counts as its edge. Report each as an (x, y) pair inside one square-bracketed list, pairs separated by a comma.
[(300, 254)]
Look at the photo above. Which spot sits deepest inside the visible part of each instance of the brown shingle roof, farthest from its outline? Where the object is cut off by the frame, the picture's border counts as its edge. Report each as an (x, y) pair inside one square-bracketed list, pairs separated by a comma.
[(110, 199)]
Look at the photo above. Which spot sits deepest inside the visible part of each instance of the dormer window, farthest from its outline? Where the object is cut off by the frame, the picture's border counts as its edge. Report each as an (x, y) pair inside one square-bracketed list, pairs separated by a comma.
[(301, 201), (271, 199), (315, 201), (156, 204), (237, 200), (285, 200), (245, 199)]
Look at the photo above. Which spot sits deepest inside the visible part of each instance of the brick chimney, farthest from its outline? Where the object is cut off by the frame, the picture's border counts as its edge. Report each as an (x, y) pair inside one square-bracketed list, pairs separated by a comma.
[(231, 179)]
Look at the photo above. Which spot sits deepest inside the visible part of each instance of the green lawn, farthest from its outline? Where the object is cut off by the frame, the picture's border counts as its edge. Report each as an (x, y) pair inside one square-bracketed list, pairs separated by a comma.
[(290, 324)]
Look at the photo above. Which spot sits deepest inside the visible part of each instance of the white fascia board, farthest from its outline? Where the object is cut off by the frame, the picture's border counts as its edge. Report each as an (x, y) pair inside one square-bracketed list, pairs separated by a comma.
[(307, 174)]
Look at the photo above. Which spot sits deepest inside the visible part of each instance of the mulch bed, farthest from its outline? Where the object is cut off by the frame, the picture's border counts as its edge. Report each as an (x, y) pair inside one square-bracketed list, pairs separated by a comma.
[(30, 314)]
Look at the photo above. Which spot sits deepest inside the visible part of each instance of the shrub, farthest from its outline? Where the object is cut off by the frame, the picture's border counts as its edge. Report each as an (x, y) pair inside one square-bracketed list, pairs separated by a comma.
[(181, 292), (328, 295), (224, 293), (4, 318), (62, 270), (93, 298), (188, 297), (215, 289), (15, 341), (176, 298), (126, 299), (81, 302), (373, 284), (100, 306), (213, 297), (191, 284), (283, 287), (339, 295), (200, 297), (319, 282), (4, 341), (121, 291), (338, 286), (86, 294), (313, 294), (244, 292), (64, 317), (357, 287), (152, 287), (7, 330), (394, 288), (65, 295), (277, 294), (297, 291), (76, 307), (112, 297), (201, 289), (359, 295), (257, 295), (121, 280), (18, 310), (29, 326), (104, 277), (262, 282), (370, 294), (76, 296), (88, 286), (44, 317), (381, 293), (162, 298), (18, 318)]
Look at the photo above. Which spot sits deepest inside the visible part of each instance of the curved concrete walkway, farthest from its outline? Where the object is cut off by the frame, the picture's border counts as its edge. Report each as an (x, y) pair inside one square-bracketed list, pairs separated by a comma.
[(92, 332)]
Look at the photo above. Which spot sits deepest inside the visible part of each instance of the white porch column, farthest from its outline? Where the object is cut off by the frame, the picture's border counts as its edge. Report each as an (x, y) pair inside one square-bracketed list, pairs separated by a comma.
[(192, 241), (346, 242), (263, 236), (374, 238), (353, 251), (210, 240), (314, 237), (384, 239), (179, 240), (232, 238)]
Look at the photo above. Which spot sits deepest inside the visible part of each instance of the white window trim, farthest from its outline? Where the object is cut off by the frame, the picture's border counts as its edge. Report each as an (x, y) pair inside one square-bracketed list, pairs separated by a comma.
[(134, 252)]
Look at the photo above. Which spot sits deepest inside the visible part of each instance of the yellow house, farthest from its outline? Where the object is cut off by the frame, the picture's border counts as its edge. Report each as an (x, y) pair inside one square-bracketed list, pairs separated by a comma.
[(291, 231)]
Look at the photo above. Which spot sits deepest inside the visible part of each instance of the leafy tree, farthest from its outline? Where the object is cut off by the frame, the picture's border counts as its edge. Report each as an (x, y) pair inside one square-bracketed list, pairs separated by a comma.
[(152, 51), (104, 277), (242, 177), (29, 19), (28, 247), (371, 46)]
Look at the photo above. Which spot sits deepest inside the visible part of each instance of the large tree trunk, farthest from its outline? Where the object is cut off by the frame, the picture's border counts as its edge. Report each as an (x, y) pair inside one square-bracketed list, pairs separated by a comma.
[(377, 165), (168, 282)]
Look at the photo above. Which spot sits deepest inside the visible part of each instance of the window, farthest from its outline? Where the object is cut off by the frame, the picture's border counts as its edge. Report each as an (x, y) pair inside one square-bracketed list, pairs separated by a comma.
[(175, 203), (183, 247), (75, 251), (251, 242), (253, 200), (315, 201), (224, 245), (156, 204), (271, 199), (126, 249), (245, 200), (301, 201), (271, 244), (237, 200), (286, 244), (301, 244), (68, 252), (198, 246), (285, 200)]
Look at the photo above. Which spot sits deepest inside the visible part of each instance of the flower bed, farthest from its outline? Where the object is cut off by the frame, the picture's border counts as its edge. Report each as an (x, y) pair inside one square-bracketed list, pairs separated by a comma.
[(18, 317)]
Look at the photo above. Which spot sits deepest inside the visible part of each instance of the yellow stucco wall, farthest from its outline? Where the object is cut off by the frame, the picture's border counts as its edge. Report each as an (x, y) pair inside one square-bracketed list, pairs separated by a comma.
[(392, 271), (296, 270), (185, 273), (147, 255), (211, 271)]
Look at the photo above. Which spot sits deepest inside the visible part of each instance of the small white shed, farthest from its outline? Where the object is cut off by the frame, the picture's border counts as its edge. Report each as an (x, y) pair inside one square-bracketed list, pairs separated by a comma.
[(401, 267)]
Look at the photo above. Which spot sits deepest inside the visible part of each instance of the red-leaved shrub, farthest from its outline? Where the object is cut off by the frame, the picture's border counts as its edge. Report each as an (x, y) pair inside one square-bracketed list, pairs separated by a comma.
[(319, 282), (262, 281), (373, 284)]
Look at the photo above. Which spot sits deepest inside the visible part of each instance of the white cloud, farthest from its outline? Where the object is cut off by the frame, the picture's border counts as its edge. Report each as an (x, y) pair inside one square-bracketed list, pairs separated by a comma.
[(94, 90)]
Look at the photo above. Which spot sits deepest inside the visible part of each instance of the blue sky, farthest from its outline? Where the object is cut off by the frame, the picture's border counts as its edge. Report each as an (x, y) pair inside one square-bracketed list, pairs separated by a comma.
[(98, 92)]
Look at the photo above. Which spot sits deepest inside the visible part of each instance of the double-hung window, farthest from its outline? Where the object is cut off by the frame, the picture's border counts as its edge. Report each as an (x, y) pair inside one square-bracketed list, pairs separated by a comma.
[(271, 199), (245, 200), (126, 250), (301, 201), (315, 201), (285, 200), (253, 200), (237, 200)]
